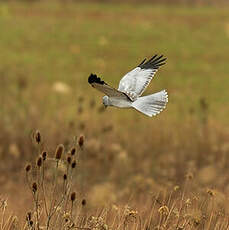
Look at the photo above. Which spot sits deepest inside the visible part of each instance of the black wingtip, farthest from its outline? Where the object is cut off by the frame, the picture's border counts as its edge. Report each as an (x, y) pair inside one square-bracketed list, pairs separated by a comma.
[(155, 62), (94, 79)]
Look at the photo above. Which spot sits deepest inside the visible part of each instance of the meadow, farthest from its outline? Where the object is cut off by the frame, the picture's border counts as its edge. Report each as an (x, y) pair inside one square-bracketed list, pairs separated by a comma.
[(171, 170)]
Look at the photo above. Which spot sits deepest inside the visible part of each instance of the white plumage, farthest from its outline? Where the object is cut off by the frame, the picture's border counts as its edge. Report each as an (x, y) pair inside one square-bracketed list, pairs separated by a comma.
[(131, 87)]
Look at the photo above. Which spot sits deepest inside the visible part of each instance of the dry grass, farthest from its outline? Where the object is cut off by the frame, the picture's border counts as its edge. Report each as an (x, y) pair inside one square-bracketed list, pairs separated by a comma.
[(130, 172), (56, 202)]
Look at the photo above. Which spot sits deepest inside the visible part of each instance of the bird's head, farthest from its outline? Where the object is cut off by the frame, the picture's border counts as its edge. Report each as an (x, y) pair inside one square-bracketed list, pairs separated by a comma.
[(106, 101)]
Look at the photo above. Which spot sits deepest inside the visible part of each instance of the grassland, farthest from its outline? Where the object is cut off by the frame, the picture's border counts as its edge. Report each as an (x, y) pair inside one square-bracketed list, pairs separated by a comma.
[(47, 52)]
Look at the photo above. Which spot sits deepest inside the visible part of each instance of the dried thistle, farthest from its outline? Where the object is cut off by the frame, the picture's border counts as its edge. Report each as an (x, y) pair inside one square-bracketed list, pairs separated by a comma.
[(37, 137), (73, 151), (81, 141), (44, 155), (59, 151), (34, 187), (39, 161), (73, 164), (83, 202), (73, 196), (69, 160), (28, 167)]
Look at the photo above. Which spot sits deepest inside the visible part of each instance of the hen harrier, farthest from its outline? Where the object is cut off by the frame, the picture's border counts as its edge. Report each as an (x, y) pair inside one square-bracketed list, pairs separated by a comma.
[(131, 87)]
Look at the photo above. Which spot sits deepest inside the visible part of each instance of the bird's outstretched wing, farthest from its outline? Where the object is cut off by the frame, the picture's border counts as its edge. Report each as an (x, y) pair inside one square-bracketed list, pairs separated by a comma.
[(135, 82), (103, 87)]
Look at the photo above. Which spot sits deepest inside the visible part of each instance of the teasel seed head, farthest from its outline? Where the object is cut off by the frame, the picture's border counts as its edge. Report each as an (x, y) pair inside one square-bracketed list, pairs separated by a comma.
[(69, 159), (81, 141), (39, 161), (44, 155), (84, 202), (65, 177), (73, 151), (73, 164), (38, 137), (59, 151), (28, 167), (73, 196), (34, 187)]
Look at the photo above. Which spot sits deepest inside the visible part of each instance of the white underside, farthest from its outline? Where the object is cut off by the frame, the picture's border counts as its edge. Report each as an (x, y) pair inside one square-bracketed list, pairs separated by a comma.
[(150, 105), (120, 103)]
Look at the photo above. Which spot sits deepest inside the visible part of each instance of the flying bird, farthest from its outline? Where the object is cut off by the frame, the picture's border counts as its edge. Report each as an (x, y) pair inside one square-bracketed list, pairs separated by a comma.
[(131, 87)]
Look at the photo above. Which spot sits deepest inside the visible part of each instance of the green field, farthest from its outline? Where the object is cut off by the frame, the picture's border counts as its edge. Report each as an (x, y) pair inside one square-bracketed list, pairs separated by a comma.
[(47, 52), (41, 44)]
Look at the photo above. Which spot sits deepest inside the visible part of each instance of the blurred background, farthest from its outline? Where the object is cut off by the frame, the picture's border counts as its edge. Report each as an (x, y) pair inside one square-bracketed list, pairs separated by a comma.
[(49, 48)]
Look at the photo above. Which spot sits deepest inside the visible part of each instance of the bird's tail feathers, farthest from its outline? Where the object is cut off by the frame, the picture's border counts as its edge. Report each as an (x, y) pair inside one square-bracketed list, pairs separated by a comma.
[(153, 104)]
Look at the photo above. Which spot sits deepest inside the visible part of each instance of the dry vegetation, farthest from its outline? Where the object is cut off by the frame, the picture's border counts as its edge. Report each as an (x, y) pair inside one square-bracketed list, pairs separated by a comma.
[(130, 172), (56, 205)]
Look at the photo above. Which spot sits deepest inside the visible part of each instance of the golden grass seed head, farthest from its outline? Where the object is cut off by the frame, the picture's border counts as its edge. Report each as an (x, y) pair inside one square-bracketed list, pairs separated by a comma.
[(39, 162), (196, 222), (163, 210), (28, 167), (188, 202), (176, 187), (37, 137), (44, 155), (73, 151), (66, 216), (73, 196), (211, 192), (73, 164), (84, 202), (81, 141), (59, 151), (34, 187)]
